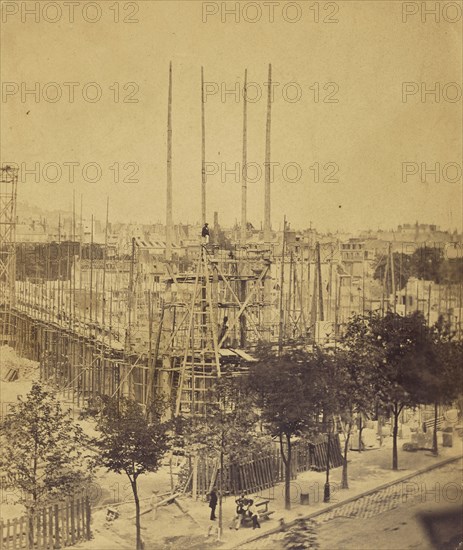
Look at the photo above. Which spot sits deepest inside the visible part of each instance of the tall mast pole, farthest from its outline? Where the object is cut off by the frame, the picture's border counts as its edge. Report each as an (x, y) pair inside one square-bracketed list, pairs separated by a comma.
[(105, 255), (244, 174), (267, 213), (203, 152), (169, 171), (281, 325)]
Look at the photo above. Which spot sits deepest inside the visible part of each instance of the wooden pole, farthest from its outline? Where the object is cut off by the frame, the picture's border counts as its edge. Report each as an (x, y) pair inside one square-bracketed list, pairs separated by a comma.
[(203, 151), (282, 281), (391, 259), (267, 200), (169, 171), (105, 254), (320, 288), (244, 171)]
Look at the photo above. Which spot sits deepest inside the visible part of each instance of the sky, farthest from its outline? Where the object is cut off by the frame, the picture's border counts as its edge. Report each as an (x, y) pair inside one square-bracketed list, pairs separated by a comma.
[(355, 137)]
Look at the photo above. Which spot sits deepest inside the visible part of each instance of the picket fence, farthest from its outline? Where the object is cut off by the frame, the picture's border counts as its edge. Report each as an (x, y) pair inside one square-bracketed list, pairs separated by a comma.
[(54, 526), (263, 471)]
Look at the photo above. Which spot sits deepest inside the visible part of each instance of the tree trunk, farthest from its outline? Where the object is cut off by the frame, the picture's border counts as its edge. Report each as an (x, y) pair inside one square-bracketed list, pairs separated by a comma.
[(434, 435), (288, 475), (395, 430), (139, 544), (30, 534), (219, 531), (345, 482), (380, 430), (287, 462), (360, 433)]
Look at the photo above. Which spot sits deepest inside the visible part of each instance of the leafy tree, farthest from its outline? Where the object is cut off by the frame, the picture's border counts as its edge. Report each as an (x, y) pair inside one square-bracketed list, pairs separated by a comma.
[(357, 364), (350, 383), (229, 433), (231, 422), (404, 343), (426, 263), (43, 450), (129, 444), (288, 393), (440, 378), (402, 271), (451, 270)]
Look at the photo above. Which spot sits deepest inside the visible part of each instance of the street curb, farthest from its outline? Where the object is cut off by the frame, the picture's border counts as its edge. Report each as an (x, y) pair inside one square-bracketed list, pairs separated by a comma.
[(350, 499)]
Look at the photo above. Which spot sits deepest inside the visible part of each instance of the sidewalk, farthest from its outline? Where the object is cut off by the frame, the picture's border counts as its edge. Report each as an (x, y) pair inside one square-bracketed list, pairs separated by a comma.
[(171, 528), (367, 470)]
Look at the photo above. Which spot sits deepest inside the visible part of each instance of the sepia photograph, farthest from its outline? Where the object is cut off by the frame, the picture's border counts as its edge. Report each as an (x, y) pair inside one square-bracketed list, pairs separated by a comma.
[(231, 274)]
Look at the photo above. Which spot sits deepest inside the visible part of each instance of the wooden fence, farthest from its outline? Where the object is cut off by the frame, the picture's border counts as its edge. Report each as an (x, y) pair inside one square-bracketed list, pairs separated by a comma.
[(55, 526), (263, 471)]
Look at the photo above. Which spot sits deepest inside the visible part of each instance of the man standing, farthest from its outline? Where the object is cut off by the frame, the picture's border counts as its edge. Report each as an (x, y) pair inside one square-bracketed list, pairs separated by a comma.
[(213, 503), (205, 233)]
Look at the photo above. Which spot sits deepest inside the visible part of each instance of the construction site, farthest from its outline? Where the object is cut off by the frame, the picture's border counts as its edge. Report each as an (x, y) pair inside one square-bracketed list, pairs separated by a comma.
[(104, 320)]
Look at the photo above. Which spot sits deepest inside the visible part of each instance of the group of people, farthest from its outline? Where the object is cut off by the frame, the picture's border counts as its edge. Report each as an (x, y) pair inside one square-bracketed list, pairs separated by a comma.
[(245, 507)]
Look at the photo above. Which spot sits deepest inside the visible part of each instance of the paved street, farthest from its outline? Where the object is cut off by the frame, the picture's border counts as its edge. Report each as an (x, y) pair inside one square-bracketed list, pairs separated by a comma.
[(391, 519)]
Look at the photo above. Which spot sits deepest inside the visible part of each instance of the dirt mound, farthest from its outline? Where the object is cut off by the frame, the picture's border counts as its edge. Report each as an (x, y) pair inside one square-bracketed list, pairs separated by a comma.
[(13, 367)]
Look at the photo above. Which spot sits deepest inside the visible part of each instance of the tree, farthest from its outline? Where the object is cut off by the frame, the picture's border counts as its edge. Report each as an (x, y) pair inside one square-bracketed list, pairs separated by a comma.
[(426, 263), (288, 393), (439, 379), (229, 433), (129, 444), (356, 365), (403, 341), (402, 271), (43, 450)]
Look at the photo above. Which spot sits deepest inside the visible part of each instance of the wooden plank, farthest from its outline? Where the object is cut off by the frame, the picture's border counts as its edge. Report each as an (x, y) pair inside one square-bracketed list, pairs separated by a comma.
[(77, 510), (43, 513), (8, 527), (50, 527), (15, 534), (88, 518), (57, 526), (73, 522), (38, 524), (83, 515), (21, 532)]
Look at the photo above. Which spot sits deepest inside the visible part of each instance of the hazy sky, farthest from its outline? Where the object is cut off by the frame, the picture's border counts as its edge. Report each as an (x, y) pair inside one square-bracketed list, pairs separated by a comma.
[(361, 139)]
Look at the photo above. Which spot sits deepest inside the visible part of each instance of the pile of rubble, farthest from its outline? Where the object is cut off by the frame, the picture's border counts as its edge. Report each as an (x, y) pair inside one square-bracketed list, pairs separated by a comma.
[(13, 367)]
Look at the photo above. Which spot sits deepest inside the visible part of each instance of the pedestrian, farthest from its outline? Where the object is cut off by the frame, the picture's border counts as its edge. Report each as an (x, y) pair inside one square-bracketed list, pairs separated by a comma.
[(253, 514), (205, 233), (213, 503)]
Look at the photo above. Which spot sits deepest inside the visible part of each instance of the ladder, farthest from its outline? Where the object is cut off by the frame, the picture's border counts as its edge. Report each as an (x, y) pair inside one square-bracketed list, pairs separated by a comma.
[(201, 362)]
